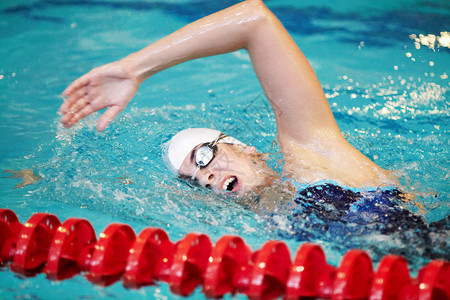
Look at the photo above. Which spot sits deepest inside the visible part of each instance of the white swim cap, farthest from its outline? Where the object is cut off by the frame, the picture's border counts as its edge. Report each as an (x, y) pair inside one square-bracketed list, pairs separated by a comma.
[(184, 141)]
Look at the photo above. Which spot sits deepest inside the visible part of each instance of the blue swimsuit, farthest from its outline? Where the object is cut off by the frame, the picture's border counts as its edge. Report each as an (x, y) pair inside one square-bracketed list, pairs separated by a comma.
[(333, 203), (353, 219)]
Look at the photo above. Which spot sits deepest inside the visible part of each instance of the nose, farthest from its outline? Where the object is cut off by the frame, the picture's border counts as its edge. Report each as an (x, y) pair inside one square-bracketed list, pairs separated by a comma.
[(206, 178)]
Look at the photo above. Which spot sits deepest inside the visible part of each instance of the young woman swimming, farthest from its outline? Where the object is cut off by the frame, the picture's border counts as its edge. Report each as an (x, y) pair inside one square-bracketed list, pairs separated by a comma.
[(314, 148)]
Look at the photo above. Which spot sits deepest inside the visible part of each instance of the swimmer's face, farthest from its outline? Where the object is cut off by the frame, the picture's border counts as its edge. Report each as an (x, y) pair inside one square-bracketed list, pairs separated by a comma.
[(236, 169)]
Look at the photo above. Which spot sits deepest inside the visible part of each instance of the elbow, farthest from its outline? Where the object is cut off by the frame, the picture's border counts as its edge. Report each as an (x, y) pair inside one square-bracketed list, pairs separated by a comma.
[(254, 16), (255, 11)]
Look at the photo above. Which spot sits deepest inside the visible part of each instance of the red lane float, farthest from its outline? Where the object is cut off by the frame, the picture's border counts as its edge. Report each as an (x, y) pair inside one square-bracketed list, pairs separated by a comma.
[(228, 264), (270, 271), (43, 244), (150, 259), (71, 244), (391, 276), (354, 276), (189, 263), (110, 254), (10, 229), (310, 275), (33, 244)]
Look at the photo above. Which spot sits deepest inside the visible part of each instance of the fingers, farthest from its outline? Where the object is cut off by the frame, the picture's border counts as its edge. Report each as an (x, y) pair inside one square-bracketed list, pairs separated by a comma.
[(73, 110), (70, 118), (72, 99), (77, 105), (87, 95), (107, 117), (77, 84), (74, 92)]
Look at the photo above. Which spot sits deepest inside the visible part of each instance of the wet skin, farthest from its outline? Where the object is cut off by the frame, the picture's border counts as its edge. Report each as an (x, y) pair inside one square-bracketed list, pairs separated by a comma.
[(236, 169), (310, 139)]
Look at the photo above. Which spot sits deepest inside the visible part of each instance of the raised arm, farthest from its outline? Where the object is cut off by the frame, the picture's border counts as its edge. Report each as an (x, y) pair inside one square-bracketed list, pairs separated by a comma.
[(288, 80)]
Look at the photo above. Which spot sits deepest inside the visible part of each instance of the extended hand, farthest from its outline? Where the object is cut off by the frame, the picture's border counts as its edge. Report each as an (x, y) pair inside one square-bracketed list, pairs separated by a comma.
[(111, 86)]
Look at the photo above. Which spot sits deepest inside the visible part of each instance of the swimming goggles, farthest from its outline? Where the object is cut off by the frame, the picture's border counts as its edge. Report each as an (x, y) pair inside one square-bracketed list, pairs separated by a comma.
[(206, 153)]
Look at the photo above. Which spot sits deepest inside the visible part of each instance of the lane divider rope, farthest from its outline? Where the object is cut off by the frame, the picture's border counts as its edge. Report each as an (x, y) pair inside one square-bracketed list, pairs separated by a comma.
[(62, 251)]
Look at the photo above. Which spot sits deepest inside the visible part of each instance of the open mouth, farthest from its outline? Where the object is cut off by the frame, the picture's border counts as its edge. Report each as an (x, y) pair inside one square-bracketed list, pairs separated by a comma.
[(230, 184)]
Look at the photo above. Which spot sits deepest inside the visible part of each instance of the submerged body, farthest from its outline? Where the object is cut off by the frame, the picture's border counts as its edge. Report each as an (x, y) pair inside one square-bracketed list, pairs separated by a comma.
[(371, 219)]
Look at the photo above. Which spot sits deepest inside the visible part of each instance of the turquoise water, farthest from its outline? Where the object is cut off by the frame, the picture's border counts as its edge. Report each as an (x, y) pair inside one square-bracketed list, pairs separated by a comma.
[(388, 91)]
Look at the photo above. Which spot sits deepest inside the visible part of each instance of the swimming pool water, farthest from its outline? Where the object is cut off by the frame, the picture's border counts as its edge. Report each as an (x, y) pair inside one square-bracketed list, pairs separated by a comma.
[(387, 89)]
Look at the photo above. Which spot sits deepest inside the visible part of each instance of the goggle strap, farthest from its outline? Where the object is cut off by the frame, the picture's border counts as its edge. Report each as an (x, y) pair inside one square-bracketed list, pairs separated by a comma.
[(195, 173), (220, 136)]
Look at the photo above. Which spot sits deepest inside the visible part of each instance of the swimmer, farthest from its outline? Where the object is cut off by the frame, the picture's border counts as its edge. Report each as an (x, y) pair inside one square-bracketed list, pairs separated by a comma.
[(313, 147)]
